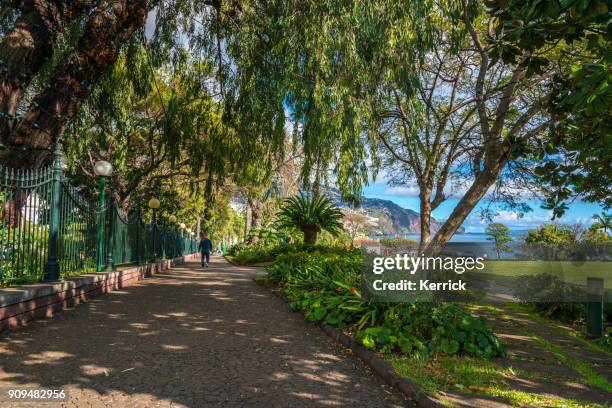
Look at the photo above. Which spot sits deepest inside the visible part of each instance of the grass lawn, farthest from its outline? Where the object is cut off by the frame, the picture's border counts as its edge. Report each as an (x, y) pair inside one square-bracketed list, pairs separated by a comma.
[(490, 378), (474, 376), (570, 272)]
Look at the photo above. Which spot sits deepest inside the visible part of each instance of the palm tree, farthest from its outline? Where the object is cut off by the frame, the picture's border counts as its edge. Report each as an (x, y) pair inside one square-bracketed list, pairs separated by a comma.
[(604, 221), (310, 215)]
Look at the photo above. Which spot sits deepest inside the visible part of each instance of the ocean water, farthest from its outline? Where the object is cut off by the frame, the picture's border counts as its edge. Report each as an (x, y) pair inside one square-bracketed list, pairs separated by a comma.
[(475, 237)]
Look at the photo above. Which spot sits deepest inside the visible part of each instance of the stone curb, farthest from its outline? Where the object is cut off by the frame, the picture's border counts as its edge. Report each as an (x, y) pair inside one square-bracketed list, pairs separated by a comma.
[(410, 389)]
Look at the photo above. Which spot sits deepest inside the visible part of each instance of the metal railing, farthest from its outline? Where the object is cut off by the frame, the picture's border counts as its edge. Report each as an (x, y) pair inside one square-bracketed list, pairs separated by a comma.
[(48, 230)]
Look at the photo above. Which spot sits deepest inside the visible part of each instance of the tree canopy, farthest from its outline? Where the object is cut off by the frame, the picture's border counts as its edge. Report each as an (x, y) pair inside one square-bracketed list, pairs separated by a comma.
[(208, 90)]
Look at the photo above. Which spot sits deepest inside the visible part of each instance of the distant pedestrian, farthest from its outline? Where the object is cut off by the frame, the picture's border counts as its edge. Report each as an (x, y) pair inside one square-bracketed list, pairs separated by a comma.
[(205, 248)]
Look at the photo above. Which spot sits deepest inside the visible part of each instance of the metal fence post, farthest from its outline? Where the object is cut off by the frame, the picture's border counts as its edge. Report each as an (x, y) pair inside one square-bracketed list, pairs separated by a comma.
[(138, 236), (154, 231), (52, 266), (110, 263), (595, 291), (163, 240), (101, 220)]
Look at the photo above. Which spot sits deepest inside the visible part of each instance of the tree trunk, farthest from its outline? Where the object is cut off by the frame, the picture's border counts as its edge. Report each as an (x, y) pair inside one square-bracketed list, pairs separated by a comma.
[(310, 234), (425, 216), (50, 112), (255, 209), (247, 223), (28, 46), (481, 184)]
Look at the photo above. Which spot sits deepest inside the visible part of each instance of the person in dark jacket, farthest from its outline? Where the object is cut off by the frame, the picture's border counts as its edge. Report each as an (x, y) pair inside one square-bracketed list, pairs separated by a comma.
[(205, 248)]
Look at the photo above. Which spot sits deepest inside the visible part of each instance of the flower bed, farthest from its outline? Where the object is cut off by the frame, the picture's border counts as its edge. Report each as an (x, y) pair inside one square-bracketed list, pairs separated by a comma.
[(323, 283)]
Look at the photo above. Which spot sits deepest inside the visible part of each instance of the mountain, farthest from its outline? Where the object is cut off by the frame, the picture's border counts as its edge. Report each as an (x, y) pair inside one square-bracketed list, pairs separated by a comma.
[(392, 218)]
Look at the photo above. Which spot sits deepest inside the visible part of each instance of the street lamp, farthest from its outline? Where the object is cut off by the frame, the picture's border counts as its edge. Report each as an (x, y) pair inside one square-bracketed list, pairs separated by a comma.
[(101, 169), (190, 239), (181, 230), (172, 220), (154, 205)]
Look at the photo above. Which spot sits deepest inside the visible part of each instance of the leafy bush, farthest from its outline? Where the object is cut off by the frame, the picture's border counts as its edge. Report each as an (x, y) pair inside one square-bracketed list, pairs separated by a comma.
[(323, 283), (551, 297), (399, 243), (423, 328), (245, 254)]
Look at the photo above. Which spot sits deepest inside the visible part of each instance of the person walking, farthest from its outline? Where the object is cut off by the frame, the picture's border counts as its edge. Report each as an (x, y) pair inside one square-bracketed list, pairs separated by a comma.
[(205, 248)]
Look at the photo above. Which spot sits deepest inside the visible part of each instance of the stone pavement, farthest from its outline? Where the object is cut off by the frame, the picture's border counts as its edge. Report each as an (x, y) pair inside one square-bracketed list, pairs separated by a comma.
[(188, 337)]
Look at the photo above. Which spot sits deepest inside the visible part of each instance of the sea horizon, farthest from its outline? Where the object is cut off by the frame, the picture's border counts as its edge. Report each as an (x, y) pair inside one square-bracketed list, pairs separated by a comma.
[(471, 236)]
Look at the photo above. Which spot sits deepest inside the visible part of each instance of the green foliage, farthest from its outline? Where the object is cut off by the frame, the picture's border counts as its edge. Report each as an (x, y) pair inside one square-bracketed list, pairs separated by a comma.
[(595, 235), (500, 234), (310, 215), (551, 234), (398, 244), (326, 61), (18, 265), (422, 328), (323, 282), (251, 254), (603, 221), (581, 96), (161, 131), (551, 297), (552, 242)]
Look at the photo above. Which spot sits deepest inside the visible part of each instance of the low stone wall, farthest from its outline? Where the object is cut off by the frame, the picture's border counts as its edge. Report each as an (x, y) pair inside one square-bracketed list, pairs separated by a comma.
[(21, 304)]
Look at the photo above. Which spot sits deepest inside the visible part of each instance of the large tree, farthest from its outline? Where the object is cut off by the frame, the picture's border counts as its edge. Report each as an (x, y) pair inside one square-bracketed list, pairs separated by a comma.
[(473, 122), (42, 83)]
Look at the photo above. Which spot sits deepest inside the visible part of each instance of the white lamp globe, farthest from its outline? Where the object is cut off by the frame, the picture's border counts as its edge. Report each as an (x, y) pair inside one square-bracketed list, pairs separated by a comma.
[(189, 231), (182, 225), (154, 203), (103, 168), (172, 218)]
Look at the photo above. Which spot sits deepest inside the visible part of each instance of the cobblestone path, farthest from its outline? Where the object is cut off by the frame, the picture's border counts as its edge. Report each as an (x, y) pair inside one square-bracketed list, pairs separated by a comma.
[(188, 337)]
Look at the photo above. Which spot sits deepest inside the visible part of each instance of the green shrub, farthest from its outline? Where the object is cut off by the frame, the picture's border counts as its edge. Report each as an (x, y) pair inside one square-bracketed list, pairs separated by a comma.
[(551, 297), (399, 243), (424, 328), (323, 283), (249, 254)]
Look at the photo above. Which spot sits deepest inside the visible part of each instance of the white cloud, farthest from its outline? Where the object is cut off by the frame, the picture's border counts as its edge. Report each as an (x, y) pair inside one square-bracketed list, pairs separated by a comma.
[(402, 191), (511, 219), (506, 216)]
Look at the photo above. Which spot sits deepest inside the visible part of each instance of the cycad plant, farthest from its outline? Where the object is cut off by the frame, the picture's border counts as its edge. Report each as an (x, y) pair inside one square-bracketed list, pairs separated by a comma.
[(310, 215)]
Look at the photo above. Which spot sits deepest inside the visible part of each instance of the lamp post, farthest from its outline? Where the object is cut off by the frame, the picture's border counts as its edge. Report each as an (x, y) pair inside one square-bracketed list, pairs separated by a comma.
[(172, 219), (182, 228), (163, 239), (154, 205), (189, 236), (52, 266), (101, 169)]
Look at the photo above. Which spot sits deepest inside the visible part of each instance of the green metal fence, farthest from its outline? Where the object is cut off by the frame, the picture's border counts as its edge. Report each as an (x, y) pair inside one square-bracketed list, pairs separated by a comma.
[(25, 195), (48, 230)]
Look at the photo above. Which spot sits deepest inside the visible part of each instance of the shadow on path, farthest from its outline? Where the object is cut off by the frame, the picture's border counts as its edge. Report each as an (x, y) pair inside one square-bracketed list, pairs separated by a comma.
[(188, 337)]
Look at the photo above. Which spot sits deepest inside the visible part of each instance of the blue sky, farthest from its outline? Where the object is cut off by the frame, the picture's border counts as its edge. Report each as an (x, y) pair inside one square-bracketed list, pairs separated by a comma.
[(579, 212)]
